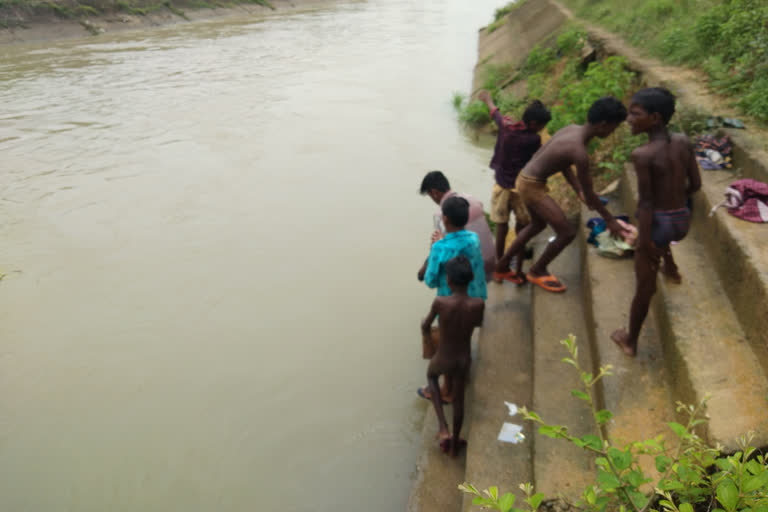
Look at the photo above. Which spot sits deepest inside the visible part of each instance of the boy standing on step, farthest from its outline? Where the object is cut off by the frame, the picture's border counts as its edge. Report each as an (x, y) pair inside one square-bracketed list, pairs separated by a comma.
[(516, 143), (567, 147), (458, 314), (667, 174)]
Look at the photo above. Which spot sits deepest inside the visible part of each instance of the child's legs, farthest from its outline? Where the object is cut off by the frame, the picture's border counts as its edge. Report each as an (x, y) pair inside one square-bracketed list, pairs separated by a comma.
[(500, 216), (547, 211), (433, 374), (459, 387), (522, 219), (646, 268), (517, 247)]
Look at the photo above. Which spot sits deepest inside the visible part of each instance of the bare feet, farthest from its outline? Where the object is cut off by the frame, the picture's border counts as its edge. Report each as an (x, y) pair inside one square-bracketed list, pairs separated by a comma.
[(621, 338), (671, 273), (452, 446)]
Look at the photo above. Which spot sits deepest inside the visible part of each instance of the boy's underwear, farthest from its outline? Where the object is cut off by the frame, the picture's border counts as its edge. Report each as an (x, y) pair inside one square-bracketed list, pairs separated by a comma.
[(531, 190), (505, 200), (669, 226)]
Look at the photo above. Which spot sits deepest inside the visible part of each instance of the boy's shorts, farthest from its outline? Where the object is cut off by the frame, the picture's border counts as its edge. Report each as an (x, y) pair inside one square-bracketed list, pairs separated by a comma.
[(530, 189), (505, 200)]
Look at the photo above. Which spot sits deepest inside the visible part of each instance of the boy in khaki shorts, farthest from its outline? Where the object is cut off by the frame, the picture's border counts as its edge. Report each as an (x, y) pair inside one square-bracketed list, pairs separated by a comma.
[(516, 144)]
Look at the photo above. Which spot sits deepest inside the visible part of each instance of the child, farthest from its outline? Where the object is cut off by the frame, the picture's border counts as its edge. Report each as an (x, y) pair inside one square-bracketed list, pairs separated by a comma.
[(456, 242), (567, 147), (667, 174), (458, 315), (516, 143)]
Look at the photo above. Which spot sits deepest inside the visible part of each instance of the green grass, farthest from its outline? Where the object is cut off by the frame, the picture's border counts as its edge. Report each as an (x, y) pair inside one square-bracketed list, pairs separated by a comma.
[(727, 39)]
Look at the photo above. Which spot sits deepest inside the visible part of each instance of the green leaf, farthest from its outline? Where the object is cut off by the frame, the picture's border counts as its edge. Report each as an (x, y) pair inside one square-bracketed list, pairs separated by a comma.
[(570, 361), (670, 485), (468, 488), (506, 502), (757, 482), (493, 492), (536, 500), (602, 462), (662, 463), (639, 499), (482, 502), (678, 429), (580, 395), (602, 502), (621, 460), (635, 478), (728, 495), (593, 441), (685, 507), (755, 467), (589, 495), (549, 431), (603, 416), (607, 481)]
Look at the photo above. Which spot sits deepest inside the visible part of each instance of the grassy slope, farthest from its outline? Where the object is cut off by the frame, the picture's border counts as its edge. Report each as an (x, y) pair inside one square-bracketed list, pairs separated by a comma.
[(728, 39)]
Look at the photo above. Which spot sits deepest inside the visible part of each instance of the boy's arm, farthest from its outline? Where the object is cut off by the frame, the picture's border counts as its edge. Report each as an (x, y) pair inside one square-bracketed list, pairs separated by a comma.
[(591, 199), (432, 273), (485, 97), (644, 202), (426, 324), (694, 176), (574, 183)]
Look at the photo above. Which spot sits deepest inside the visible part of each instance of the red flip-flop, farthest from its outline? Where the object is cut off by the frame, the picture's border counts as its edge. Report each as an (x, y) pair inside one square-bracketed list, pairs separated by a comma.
[(510, 276), (548, 282)]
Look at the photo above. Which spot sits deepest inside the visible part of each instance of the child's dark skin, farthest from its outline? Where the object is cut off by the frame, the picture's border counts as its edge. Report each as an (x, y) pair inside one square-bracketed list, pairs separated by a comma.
[(566, 148), (459, 314), (667, 174)]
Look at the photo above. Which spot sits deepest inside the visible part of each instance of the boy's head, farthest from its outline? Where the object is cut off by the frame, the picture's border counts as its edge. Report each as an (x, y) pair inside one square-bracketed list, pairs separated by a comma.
[(455, 212), (435, 185), (650, 108), (605, 115), (536, 116), (458, 272)]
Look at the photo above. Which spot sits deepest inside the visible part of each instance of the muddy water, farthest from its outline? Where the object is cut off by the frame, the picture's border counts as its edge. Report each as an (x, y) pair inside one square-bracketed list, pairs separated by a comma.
[(210, 235)]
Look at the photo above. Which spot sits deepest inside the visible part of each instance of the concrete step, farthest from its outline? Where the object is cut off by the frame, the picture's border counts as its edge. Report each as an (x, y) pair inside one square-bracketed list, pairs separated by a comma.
[(739, 253), (638, 391), (705, 348), (438, 476), (560, 469), (502, 371)]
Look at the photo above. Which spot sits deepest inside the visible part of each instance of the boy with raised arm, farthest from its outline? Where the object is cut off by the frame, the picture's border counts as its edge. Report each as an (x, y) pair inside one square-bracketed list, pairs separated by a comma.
[(516, 143), (566, 148), (458, 314), (667, 174)]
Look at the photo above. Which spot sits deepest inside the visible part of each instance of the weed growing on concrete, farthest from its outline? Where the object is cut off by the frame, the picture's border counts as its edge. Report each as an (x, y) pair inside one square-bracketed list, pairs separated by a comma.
[(691, 476)]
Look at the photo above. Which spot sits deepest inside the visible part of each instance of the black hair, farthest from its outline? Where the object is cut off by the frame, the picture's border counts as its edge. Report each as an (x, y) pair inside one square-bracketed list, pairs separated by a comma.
[(459, 271), (656, 100), (607, 109), (536, 111), (457, 210), (434, 180)]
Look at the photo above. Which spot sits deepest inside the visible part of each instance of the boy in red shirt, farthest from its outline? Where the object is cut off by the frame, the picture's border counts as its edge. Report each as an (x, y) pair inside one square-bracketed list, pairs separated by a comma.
[(516, 143)]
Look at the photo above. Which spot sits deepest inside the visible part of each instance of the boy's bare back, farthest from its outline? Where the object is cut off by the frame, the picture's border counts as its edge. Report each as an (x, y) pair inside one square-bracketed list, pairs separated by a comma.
[(458, 315), (566, 147), (670, 168)]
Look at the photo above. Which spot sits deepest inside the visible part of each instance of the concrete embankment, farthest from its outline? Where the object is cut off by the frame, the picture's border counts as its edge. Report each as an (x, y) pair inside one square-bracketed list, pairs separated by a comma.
[(20, 23), (704, 337)]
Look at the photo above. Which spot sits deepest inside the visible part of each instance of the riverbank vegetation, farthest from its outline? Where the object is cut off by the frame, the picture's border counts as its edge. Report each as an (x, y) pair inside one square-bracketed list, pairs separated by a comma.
[(18, 13), (567, 82), (727, 39)]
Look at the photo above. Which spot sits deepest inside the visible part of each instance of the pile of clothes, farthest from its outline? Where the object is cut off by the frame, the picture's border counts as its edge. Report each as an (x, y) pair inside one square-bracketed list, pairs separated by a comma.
[(610, 247), (746, 199), (713, 153)]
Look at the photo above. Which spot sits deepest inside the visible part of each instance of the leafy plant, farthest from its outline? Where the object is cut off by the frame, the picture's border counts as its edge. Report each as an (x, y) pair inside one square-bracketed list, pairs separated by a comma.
[(693, 476)]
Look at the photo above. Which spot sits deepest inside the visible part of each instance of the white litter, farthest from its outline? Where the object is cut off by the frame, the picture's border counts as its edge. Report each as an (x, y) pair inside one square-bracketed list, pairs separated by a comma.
[(512, 408), (511, 433)]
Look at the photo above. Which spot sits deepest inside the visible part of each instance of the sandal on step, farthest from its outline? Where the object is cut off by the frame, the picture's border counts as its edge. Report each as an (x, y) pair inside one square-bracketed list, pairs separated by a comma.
[(548, 282), (510, 276)]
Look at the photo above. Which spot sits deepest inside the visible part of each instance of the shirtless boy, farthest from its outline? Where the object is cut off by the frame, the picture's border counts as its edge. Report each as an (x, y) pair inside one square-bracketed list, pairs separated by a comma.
[(667, 174), (567, 147), (458, 314)]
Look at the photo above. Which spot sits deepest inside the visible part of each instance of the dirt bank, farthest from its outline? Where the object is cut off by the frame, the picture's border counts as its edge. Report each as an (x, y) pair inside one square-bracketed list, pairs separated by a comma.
[(19, 24)]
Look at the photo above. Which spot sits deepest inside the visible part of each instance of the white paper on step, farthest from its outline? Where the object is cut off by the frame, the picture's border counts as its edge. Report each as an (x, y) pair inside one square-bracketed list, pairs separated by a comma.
[(511, 432)]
